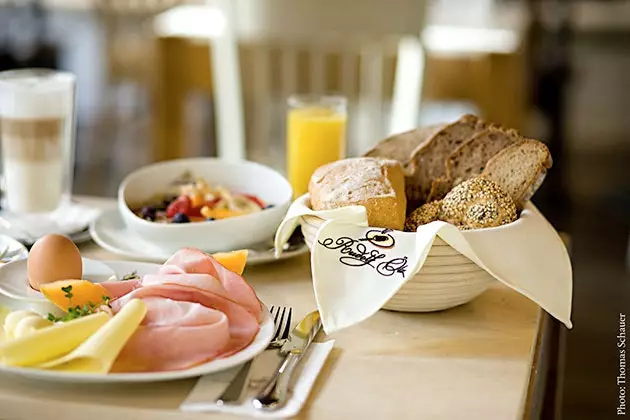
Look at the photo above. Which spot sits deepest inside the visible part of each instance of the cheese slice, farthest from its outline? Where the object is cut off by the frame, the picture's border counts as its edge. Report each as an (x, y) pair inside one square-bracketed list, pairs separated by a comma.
[(50, 343), (98, 353)]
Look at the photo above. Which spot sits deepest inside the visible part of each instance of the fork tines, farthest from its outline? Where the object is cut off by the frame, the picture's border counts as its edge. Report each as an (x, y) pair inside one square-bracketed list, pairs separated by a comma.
[(282, 321)]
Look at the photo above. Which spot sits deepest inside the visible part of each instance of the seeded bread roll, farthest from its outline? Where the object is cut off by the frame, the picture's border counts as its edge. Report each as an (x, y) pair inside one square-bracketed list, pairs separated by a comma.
[(427, 213), (378, 184), (477, 203)]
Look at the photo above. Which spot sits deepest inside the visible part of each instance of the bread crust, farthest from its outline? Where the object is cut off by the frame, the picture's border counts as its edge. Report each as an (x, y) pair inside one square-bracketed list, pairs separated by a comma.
[(520, 169), (471, 157), (400, 146), (427, 161), (375, 183)]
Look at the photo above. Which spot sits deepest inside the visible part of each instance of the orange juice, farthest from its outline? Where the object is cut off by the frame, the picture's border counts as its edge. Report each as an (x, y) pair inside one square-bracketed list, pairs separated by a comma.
[(316, 135)]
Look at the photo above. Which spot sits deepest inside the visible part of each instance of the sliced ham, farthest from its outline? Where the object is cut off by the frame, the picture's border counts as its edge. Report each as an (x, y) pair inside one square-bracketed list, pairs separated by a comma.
[(116, 289), (197, 310), (193, 261), (242, 328), (174, 335)]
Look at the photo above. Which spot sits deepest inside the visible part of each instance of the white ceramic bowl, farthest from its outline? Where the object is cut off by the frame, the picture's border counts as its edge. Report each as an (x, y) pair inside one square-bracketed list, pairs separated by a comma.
[(447, 278), (212, 236)]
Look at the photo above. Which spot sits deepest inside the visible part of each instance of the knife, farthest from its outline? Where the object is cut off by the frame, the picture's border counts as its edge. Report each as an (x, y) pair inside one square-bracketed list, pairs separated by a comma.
[(275, 392)]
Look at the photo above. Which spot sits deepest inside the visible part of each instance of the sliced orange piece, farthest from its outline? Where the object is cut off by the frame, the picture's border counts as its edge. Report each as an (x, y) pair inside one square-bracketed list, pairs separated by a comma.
[(218, 214), (234, 261), (83, 292)]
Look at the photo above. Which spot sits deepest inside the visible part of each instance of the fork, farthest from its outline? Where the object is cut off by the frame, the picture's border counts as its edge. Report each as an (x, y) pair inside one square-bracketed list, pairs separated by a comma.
[(282, 322)]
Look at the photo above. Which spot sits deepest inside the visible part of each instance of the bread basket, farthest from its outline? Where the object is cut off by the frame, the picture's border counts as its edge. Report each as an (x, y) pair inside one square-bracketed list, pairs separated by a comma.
[(447, 278)]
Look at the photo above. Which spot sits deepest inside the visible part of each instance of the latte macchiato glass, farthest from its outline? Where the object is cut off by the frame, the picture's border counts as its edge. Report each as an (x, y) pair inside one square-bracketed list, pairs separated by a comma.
[(37, 124)]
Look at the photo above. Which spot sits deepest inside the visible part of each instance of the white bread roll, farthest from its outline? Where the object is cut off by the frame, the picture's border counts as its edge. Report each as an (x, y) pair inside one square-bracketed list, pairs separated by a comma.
[(378, 184)]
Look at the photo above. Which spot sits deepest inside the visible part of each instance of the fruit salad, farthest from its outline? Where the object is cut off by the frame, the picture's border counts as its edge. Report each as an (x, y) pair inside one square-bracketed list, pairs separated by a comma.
[(193, 199)]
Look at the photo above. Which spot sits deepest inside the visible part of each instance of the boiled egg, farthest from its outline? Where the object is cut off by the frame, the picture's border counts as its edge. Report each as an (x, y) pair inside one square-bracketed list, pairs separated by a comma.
[(53, 258)]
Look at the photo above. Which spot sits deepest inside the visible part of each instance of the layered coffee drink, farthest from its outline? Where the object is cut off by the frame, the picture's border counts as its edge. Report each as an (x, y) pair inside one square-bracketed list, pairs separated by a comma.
[(36, 124)]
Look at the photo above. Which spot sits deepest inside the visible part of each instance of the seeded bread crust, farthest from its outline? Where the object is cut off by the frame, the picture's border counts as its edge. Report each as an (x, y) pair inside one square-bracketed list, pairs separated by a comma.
[(520, 169), (477, 203), (375, 183), (400, 146), (427, 161), (427, 213)]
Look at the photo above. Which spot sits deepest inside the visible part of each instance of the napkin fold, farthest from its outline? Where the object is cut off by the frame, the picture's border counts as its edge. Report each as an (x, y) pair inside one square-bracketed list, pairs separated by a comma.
[(357, 269), (209, 387), (351, 214)]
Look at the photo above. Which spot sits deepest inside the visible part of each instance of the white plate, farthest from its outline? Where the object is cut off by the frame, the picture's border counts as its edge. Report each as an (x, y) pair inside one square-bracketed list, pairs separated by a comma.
[(109, 232), (16, 293), (120, 268)]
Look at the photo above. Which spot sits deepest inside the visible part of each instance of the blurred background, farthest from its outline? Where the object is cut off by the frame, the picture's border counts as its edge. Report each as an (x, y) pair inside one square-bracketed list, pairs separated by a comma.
[(152, 76)]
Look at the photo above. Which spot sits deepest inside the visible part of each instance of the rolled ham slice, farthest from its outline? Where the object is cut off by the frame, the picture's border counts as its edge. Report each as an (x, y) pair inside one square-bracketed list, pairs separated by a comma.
[(116, 289), (197, 310), (142, 354), (174, 335), (193, 261)]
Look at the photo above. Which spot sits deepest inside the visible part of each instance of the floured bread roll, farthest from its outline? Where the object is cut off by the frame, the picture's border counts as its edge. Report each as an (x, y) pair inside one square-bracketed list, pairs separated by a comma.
[(378, 184), (477, 203)]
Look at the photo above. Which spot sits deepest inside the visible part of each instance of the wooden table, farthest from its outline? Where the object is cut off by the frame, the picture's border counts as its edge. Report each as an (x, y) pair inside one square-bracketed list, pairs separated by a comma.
[(470, 362)]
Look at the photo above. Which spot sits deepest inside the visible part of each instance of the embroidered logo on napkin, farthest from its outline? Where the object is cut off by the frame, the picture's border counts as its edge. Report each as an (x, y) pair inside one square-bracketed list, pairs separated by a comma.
[(367, 250), (357, 269)]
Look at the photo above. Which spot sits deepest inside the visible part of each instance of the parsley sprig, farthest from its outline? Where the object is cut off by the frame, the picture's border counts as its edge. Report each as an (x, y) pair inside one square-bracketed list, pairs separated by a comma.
[(78, 311), (131, 276)]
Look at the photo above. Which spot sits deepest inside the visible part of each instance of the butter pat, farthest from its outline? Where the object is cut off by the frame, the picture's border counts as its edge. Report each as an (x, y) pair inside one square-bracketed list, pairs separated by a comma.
[(47, 344), (20, 323), (98, 353)]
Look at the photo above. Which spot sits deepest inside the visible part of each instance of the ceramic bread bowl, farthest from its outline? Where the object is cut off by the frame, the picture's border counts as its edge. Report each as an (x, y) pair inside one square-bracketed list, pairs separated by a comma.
[(214, 235), (447, 278)]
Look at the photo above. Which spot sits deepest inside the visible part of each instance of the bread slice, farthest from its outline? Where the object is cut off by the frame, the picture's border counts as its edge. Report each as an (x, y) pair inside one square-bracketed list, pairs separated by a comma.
[(470, 158), (378, 184), (520, 169), (400, 146), (427, 160)]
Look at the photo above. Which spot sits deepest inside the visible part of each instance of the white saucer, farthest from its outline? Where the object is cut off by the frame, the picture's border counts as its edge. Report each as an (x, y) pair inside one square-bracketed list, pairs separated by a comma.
[(11, 250), (72, 220), (16, 293), (110, 232)]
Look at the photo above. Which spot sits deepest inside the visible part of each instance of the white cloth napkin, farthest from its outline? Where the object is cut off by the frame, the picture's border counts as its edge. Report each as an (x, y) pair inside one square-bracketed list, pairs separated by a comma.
[(209, 387), (527, 256), (66, 220), (352, 214)]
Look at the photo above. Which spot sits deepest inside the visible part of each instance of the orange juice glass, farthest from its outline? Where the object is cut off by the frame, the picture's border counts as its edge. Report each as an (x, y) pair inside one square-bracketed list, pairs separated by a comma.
[(316, 135)]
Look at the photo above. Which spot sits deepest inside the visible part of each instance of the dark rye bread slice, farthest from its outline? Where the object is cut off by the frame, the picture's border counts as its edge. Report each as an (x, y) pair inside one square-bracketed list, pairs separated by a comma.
[(427, 160), (469, 159), (520, 169), (400, 146)]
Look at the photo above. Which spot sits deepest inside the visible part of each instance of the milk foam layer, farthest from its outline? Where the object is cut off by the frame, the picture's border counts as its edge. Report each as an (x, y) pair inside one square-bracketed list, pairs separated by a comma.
[(30, 96)]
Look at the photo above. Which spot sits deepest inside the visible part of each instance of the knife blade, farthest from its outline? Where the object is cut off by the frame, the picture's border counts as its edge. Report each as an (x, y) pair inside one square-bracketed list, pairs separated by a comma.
[(274, 393)]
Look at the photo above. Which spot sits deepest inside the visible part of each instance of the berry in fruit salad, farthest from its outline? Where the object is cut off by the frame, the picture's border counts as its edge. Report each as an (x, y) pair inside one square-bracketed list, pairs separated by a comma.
[(193, 199)]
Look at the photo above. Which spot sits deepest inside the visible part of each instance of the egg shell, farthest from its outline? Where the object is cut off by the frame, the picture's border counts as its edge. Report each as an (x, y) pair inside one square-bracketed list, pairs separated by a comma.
[(53, 258)]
